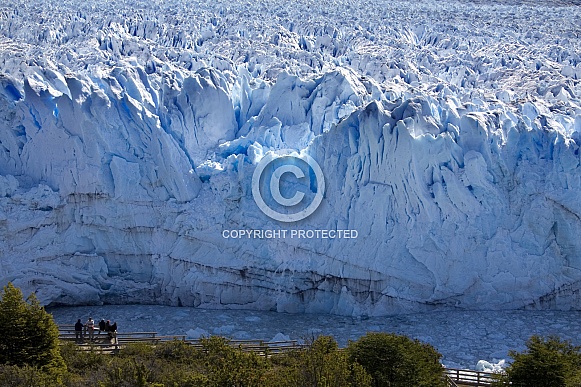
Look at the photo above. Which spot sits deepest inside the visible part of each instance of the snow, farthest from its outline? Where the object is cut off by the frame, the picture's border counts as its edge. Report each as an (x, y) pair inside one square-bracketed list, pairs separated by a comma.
[(448, 134), (478, 340)]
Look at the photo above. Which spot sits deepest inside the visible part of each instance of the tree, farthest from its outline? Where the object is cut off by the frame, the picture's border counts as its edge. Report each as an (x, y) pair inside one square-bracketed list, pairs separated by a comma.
[(547, 362), (393, 360), (29, 334)]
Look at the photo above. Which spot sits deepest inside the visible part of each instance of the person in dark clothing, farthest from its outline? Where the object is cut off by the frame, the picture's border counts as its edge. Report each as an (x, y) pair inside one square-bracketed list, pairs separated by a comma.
[(113, 334), (102, 326), (79, 330), (108, 326)]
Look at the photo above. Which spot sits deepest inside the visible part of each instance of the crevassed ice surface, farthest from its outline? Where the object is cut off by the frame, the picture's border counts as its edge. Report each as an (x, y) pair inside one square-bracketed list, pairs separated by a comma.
[(448, 134)]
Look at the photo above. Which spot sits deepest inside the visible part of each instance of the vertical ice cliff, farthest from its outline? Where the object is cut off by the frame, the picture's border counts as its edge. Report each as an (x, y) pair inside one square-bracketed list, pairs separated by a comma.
[(128, 143)]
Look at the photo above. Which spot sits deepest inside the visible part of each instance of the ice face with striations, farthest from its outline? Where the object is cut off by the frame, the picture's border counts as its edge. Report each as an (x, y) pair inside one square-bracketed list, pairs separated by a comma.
[(448, 134)]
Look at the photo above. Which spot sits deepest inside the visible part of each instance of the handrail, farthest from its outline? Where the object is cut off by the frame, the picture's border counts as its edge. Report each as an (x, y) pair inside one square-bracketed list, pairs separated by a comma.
[(260, 346), (470, 377)]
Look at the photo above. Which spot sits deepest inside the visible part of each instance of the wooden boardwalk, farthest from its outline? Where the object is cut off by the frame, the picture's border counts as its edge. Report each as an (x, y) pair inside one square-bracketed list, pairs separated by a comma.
[(468, 378), (104, 344)]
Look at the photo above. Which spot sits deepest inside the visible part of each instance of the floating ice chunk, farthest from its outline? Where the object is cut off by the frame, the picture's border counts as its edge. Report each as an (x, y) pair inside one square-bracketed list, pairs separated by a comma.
[(197, 333), (224, 330), (280, 337), (484, 366)]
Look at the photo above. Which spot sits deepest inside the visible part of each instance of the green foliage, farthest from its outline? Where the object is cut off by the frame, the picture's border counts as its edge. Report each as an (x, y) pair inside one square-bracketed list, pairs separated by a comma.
[(219, 364), (29, 333), (170, 364), (81, 362), (359, 376), (26, 376), (176, 351), (547, 362), (322, 364), (140, 351), (229, 366), (393, 360), (127, 373)]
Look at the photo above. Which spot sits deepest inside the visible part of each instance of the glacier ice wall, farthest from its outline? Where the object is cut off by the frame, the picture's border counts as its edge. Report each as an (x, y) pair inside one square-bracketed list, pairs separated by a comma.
[(448, 134)]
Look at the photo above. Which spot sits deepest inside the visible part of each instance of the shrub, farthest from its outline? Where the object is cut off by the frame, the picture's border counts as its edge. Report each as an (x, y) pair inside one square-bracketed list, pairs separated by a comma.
[(547, 362), (322, 364), (141, 351), (29, 333), (393, 360), (81, 362), (126, 373), (228, 366), (26, 376), (176, 351)]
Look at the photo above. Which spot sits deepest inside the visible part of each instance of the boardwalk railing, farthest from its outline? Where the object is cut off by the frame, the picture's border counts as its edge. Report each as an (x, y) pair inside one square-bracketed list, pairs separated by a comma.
[(469, 377), (102, 340)]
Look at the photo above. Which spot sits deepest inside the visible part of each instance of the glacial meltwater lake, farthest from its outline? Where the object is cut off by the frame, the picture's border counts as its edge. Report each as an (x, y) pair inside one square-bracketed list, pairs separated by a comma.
[(463, 337)]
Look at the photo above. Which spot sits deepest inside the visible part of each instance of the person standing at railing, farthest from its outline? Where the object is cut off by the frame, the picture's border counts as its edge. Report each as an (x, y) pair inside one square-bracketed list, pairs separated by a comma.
[(79, 330), (90, 328), (102, 326), (113, 334)]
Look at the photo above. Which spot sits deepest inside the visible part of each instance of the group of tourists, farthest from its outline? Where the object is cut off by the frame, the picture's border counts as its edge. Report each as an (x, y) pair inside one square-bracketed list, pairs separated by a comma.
[(88, 329)]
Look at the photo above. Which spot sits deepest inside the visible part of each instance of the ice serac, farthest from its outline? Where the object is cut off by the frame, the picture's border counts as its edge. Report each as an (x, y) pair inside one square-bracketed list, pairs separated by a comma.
[(128, 143)]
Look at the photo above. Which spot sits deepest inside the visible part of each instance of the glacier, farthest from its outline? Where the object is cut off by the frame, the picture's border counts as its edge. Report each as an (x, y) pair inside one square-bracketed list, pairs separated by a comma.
[(448, 134)]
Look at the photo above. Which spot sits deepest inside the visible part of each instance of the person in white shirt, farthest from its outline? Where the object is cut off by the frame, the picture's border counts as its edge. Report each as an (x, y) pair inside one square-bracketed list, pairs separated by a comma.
[(90, 328)]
